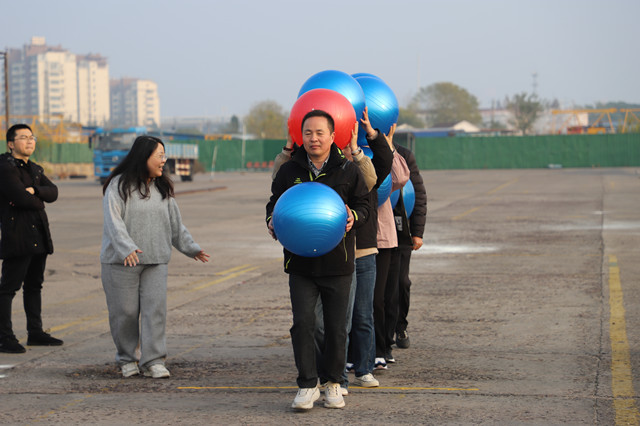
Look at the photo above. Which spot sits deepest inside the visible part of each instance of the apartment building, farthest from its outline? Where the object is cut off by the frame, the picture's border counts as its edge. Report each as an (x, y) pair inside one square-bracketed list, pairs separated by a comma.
[(134, 102), (93, 90), (53, 84), (43, 82)]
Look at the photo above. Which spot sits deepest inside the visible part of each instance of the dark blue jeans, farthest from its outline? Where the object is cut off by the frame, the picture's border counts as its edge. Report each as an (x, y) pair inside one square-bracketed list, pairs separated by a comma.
[(362, 338), (334, 294)]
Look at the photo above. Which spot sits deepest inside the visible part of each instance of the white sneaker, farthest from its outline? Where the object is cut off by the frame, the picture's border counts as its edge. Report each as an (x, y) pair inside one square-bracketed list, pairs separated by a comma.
[(343, 391), (366, 381), (333, 396), (130, 369), (157, 371), (305, 398), (380, 364)]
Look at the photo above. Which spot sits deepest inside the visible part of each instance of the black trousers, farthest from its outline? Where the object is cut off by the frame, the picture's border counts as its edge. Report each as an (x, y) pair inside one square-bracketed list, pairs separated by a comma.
[(401, 287), (334, 293), (16, 271), (383, 300)]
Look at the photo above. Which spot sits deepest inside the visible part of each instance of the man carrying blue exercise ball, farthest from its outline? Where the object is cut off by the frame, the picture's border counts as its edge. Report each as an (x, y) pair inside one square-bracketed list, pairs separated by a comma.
[(328, 276)]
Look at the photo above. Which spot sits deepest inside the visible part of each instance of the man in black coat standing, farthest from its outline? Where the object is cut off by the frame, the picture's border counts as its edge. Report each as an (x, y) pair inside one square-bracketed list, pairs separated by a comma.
[(25, 239), (328, 276)]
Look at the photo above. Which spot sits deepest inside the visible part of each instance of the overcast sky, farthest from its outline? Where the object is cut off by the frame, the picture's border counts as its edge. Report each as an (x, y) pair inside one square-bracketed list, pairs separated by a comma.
[(220, 57)]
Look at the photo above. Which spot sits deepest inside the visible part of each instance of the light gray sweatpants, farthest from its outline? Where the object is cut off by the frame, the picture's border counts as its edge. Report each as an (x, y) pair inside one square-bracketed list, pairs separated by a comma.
[(137, 302)]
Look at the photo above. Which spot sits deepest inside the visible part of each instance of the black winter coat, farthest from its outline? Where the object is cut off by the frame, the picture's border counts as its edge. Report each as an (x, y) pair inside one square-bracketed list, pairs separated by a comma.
[(367, 235), (347, 180), (414, 225), (24, 223)]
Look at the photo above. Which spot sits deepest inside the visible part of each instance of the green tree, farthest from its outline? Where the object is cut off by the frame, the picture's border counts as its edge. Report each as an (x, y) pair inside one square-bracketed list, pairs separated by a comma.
[(409, 115), (526, 110), (188, 131), (447, 103), (233, 126), (266, 120)]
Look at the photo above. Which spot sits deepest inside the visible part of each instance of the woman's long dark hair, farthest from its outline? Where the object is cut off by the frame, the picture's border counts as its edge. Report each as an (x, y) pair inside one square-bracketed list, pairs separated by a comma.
[(134, 173)]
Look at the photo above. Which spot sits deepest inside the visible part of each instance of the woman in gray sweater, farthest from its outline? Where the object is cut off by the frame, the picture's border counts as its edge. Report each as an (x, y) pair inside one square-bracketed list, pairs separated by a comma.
[(141, 224)]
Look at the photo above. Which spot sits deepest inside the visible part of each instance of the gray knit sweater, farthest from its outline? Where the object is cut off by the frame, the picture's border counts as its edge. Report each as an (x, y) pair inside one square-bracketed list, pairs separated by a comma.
[(151, 224)]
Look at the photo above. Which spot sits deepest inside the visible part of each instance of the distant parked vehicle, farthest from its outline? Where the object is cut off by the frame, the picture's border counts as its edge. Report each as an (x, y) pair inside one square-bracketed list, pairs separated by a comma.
[(112, 145)]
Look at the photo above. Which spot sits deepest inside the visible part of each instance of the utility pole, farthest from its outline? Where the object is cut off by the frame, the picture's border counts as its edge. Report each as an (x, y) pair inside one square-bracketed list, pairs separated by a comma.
[(5, 55)]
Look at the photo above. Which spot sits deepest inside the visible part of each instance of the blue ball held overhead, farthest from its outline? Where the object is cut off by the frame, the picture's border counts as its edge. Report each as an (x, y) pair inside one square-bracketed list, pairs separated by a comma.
[(385, 187), (408, 197), (364, 74), (340, 82), (309, 219), (384, 190), (381, 102)]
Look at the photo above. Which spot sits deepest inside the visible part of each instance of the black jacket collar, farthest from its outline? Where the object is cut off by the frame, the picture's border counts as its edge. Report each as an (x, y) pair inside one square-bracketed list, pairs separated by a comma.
[(336, 158)]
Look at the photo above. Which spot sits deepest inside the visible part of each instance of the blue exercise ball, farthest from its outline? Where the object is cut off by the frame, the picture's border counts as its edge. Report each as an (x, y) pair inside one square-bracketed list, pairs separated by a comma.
[(394, 197), (309, 219), (408, 196), (340, 82), (382, 105), (364, 74), (384, 190)]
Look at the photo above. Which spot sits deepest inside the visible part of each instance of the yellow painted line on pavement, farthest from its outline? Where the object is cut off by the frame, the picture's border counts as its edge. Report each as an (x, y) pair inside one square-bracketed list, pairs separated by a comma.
[(225, 272), (504, 185), (493, 191), (460, 216), (79, 321), (404, 388), (626, 411), (225, 278)]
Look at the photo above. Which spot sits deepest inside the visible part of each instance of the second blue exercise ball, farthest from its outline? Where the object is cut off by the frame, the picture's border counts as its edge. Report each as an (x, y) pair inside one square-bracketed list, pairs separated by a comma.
[(382, 105), (340, 82), (364, 74), (309, 219), (384, 190), (408, 197)]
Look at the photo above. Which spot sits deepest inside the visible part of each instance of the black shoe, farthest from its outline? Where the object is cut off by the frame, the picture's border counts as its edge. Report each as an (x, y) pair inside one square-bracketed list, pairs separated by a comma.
[(389, 357), (10, 345), (402, 340), (43, 339)]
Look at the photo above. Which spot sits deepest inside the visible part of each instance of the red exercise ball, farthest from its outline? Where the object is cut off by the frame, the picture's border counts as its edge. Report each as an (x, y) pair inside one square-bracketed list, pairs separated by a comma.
[(329, 101)]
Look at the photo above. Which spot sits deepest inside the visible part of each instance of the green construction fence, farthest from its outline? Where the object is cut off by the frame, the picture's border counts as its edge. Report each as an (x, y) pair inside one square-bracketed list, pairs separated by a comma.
[(509, 152), (490, 152)]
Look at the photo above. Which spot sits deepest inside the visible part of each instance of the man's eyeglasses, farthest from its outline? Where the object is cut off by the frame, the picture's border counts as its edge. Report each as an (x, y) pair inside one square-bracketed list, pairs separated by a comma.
[(24, 138)]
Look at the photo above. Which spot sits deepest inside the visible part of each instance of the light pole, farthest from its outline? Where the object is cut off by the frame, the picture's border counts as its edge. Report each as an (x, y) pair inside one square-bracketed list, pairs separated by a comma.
[(5, 55)]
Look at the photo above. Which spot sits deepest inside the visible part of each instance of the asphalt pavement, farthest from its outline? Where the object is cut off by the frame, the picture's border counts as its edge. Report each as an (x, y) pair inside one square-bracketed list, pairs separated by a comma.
[(525, 309)]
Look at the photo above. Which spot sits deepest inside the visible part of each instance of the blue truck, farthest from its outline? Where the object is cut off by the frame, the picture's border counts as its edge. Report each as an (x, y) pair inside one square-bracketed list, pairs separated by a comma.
[(112, 145)]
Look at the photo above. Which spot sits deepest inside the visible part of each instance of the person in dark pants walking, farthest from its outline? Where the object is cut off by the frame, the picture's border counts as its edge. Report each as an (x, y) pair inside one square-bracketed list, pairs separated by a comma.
[(25, 239), (410, 231), (328, 276)]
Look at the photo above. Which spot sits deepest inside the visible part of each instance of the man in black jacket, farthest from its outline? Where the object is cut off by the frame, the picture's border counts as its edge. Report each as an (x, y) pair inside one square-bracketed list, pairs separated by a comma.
[(328, 276), (410, 231), (25, 240)]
